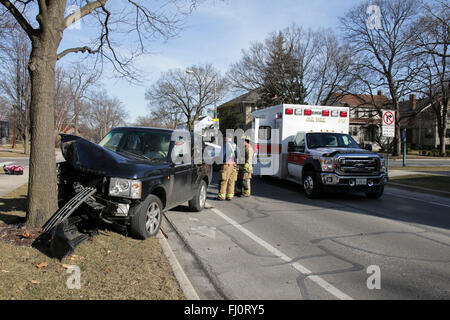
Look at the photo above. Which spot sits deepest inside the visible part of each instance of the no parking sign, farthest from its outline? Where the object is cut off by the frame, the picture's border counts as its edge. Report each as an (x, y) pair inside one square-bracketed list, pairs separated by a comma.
[(388, 128)]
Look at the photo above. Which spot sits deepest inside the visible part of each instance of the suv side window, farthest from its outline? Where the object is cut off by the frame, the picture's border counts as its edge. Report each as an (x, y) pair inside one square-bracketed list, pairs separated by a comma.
[(181, 150)]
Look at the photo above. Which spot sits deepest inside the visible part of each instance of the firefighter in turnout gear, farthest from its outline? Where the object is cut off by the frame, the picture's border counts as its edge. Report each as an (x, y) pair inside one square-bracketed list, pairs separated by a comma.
[(228, 172), (245, 170)]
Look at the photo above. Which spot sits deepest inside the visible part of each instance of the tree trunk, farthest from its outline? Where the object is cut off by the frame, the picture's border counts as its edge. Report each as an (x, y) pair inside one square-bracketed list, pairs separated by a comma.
[(42, 188)]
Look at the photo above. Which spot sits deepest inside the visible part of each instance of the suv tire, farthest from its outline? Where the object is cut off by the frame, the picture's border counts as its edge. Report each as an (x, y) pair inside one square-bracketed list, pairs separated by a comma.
[(311, 185), (147, 218), (197, 203)]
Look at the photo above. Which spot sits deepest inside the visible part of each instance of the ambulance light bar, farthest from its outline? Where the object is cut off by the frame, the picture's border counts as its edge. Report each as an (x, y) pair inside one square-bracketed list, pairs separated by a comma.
[(289, 111), (307, 112)]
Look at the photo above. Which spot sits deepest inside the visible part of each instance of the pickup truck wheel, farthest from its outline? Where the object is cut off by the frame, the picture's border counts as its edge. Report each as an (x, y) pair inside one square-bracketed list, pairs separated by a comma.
[(147, 219), (375, 194), (311, 185), (199, 200)]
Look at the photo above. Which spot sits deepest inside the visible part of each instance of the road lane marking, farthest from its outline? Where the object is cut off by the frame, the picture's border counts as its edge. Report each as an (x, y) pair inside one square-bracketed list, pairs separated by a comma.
[(417, 199), (5, 163), (316, 279)]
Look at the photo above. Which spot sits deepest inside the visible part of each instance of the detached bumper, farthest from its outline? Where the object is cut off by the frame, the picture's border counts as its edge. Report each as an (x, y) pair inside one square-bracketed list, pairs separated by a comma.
[(353, 182)]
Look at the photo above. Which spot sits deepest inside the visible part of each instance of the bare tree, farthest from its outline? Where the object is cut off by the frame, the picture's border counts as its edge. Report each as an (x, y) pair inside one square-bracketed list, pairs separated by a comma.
[(379, 33), (432, 39), (15, 82), (179, 93), (132, 23), (80, 79), (294, 66), (62, 102), (105, 113)]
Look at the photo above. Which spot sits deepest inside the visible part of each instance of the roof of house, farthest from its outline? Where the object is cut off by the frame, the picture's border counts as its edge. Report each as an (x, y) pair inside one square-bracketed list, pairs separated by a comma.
[(250, 97), (361, 100)]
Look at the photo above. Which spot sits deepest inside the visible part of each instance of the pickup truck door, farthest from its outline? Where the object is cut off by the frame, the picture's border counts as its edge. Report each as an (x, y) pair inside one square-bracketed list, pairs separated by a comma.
[(297, 156)]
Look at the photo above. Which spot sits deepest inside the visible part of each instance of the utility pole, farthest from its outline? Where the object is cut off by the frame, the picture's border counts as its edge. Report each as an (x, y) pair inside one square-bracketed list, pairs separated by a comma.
[(14, 130)]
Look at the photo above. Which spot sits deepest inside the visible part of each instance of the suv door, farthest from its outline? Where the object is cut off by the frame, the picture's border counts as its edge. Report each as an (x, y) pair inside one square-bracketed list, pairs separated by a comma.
[(182, 170)]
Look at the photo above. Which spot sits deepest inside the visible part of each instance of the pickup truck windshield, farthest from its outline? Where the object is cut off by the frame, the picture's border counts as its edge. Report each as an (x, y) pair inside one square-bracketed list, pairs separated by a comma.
[(330, 140), (146, 145)]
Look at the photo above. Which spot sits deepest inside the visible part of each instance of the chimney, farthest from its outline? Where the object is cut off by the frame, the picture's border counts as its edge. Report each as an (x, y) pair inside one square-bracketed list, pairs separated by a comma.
[(412, 102), (380, 92)]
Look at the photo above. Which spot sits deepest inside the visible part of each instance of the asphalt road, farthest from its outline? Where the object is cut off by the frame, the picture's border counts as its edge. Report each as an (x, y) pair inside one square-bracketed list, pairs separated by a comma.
[(280, 245)]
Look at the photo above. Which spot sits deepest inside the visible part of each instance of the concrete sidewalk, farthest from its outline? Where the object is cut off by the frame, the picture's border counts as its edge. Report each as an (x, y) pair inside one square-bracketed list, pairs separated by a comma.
[(9, 183)]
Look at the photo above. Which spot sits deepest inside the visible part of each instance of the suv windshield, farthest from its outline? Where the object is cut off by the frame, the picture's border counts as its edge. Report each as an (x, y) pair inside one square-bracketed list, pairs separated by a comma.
[(143, 144), (330, 140)]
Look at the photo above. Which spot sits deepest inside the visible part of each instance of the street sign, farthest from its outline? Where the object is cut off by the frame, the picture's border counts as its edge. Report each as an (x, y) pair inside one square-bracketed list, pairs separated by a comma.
[(388, 128)]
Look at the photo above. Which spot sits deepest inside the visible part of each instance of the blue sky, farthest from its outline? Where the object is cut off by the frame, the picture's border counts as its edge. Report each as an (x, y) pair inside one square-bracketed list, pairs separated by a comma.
[(216, 32)]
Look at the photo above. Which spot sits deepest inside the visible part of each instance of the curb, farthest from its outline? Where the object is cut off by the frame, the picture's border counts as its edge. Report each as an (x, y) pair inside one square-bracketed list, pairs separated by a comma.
[(181, 276), (419, 189)]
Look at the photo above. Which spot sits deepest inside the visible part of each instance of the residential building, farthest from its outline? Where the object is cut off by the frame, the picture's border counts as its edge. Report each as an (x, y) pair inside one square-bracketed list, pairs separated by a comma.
[(419, 119)]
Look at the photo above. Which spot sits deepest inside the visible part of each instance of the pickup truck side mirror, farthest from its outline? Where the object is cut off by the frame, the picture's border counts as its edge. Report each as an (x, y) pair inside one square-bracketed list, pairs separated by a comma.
[(368, 147), (291, 146)]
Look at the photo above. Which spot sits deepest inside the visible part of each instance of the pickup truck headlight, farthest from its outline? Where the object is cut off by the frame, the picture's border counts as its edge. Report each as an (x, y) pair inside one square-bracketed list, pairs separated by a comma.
[(125, 188), (327, 164), (382, 165)]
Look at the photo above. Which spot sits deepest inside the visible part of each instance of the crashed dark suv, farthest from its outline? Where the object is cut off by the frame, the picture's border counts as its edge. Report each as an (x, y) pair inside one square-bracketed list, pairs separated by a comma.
[(127, 180)]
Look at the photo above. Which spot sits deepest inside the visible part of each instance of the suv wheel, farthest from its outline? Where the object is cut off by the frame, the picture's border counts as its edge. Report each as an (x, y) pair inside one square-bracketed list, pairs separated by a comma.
[(199, 200), (147, 219), (311, 185), (375, 194)]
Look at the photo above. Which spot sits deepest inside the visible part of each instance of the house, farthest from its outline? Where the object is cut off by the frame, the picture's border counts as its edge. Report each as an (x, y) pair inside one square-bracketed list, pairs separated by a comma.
[(237, 113), (419, 119), (4, 129), (365, 117)]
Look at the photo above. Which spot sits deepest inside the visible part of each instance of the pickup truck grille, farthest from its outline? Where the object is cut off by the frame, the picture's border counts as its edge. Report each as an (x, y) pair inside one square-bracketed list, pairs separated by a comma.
[(358, 166)]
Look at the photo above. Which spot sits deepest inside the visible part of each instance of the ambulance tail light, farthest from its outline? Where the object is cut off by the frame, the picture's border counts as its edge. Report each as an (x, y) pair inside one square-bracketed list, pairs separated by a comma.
[(307, 112), (289, 111), (343, 114), (325, 113), (257, 147)]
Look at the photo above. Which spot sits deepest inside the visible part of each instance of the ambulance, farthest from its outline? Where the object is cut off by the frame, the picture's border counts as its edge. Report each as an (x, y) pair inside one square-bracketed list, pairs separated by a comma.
[(311, 145)]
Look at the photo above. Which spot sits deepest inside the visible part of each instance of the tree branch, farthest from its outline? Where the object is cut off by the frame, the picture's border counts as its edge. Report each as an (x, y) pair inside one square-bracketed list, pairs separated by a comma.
[(76, 50), (86, 10), (29, 30)]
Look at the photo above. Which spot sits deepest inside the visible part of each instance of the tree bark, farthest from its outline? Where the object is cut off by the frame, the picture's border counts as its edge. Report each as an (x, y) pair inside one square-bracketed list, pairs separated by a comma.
[(42, 188)]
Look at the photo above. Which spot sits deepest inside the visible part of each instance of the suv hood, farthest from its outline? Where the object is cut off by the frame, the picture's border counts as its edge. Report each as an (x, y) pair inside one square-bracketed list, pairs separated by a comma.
[(89, 157)]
